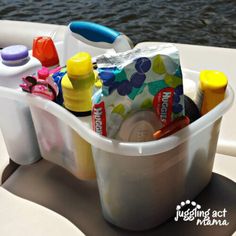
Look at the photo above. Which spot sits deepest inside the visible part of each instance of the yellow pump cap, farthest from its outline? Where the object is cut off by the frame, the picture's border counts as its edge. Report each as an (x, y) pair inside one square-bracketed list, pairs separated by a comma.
[(213, 80), (79, 65)]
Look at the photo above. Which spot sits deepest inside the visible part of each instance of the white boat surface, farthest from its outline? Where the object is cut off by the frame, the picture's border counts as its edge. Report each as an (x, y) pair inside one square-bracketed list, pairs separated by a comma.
[(58, 203)]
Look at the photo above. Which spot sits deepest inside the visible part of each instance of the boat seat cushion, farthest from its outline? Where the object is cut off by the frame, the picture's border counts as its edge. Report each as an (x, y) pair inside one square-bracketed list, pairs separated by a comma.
[(22, 217)]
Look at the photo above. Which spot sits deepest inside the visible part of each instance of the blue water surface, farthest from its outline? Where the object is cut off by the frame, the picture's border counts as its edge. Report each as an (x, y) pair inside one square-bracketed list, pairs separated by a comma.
[(202, 22)]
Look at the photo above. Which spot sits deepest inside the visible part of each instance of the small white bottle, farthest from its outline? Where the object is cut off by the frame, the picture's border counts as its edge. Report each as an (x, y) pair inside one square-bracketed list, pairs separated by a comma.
[(16, 63)]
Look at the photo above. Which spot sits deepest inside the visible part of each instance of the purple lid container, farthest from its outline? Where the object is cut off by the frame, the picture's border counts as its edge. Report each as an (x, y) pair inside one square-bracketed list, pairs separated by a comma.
[(14, 53)]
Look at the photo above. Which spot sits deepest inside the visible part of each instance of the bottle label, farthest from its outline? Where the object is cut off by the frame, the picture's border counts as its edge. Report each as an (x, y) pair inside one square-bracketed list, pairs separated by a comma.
[(99, 118)]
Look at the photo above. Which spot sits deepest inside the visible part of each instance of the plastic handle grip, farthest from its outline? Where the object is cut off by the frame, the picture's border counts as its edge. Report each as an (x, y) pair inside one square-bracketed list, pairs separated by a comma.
[(94, 32), (91, 34)]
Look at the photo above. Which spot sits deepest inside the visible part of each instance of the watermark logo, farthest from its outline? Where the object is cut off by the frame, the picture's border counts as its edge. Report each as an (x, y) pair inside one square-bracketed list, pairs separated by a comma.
[(191, 211)]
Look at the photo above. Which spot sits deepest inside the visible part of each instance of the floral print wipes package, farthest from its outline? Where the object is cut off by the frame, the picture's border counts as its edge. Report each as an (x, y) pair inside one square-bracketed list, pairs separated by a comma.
[(140, 79)]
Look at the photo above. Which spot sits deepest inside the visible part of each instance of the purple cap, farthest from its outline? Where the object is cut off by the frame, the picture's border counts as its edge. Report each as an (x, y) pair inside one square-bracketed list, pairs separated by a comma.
[(15, 52)]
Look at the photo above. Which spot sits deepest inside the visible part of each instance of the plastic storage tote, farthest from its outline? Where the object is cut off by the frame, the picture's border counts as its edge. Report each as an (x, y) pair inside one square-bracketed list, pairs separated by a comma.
[(140, 184)]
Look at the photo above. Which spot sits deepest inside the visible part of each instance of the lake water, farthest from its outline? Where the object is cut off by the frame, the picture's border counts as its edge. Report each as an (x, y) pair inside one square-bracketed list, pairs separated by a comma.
[(202, 22)]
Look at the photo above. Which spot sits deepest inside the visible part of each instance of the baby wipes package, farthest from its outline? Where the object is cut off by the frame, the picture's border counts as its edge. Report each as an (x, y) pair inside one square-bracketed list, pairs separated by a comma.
[(142, 91)]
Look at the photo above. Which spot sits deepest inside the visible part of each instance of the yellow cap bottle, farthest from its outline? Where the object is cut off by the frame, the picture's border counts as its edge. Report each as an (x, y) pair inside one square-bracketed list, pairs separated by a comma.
[(77, 84), (211, 89)]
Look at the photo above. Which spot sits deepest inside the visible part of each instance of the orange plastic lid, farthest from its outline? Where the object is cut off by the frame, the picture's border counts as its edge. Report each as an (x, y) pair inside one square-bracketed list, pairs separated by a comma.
[(44, 50)]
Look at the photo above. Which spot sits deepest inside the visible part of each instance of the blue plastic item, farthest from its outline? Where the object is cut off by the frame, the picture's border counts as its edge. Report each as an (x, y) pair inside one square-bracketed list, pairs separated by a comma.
[(94, 32), (57, 77)]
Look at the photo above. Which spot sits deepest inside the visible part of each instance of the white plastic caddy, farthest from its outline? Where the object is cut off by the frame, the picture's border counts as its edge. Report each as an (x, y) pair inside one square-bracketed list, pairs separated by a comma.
[(140, 184)]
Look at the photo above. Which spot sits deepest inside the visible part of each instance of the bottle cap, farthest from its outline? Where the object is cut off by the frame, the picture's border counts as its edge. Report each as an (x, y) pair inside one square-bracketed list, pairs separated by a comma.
[(14, 54), (79, 65), (44, 50), (78, 83), (213, 79), (43, 73)]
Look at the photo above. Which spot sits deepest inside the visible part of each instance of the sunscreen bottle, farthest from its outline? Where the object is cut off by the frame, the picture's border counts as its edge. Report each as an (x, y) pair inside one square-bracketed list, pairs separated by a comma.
[(77, 84), (211, 90)]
